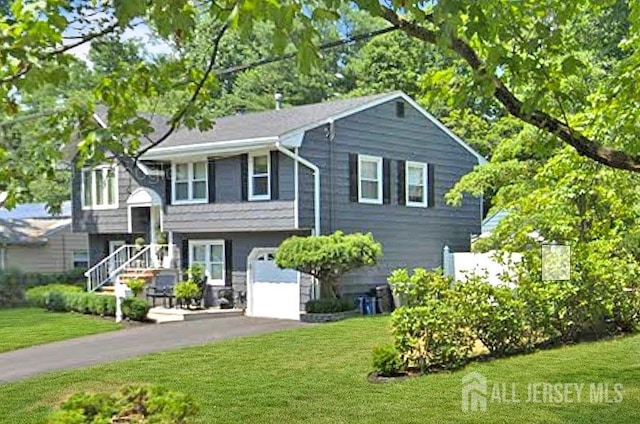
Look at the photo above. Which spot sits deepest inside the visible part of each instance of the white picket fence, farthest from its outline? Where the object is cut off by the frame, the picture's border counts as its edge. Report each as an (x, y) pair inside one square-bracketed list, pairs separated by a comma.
[(460, 265)]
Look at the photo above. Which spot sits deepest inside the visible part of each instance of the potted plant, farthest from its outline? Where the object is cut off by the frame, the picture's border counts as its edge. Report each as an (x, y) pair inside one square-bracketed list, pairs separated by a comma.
[(162, 240), (185, 292), (136, 285), (139, 242)]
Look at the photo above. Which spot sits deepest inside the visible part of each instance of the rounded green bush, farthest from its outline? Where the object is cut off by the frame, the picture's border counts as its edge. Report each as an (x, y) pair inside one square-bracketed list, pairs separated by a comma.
[(387, 361), (135, 308)]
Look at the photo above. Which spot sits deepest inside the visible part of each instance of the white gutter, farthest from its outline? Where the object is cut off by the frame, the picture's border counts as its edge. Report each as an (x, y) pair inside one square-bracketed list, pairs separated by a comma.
[(221, 147), (316, 183)]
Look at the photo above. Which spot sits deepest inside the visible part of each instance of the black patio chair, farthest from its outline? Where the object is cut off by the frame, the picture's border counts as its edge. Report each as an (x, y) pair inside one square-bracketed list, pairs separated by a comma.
[(162, 288)]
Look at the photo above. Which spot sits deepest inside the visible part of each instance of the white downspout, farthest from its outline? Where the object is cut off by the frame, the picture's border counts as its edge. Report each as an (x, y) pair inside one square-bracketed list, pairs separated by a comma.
[(316, 183), (296, 206)]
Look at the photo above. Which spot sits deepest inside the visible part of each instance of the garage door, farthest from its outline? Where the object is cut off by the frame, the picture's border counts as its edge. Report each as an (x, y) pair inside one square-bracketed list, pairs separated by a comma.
[(273, 292)]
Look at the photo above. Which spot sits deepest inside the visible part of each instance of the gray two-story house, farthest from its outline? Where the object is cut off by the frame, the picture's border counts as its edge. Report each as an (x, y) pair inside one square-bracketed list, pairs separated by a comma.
[(227, 197)]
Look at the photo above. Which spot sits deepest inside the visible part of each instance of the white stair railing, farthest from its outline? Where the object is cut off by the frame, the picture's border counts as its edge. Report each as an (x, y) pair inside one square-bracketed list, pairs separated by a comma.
[(129, 257)]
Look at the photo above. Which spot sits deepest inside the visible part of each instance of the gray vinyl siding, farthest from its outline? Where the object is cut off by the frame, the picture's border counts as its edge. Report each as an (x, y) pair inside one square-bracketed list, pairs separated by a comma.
[(238, 216), (242, 243), (111, 221), (411, 237), (227, 213)]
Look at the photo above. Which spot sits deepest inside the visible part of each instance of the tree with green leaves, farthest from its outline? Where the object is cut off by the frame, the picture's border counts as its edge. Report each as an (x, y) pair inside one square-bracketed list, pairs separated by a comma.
[(328, 258), (535, 59)]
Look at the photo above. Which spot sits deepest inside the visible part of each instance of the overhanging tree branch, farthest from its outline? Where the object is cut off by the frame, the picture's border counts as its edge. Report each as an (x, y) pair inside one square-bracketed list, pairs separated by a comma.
[(175, 120), (589, 148)]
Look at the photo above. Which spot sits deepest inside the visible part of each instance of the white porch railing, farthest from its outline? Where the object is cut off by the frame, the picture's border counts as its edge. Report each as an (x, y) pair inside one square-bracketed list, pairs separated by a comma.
[(151, 256)]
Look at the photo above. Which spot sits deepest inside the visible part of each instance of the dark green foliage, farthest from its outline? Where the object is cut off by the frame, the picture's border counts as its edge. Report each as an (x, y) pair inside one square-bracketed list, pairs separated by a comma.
[(56, 302), (387, 361), (135, 308), (327, 258), (329, 305), (134, 404), (36, 296), (13, 284)]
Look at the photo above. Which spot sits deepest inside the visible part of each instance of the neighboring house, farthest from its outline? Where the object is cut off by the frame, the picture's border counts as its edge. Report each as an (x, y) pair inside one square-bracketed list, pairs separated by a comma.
[(227, 197), (33, 240)]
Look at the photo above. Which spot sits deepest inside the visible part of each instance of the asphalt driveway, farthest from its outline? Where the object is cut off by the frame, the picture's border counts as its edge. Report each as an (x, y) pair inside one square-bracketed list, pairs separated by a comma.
[(115, 345)]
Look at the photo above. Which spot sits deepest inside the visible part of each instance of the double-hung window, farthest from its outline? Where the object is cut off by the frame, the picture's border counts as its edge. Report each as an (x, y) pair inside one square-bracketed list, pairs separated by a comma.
[(370, 179), (210, 255), (190, 182), (259, 176), (100, 187), (81, 259), (416, 184)]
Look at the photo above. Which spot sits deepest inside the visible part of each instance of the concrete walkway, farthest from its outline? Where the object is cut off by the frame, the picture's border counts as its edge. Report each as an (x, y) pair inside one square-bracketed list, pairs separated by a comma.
[(115, 345)]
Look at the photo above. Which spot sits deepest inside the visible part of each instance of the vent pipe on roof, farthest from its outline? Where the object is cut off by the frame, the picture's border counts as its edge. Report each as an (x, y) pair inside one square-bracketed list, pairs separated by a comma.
[(278, 97)]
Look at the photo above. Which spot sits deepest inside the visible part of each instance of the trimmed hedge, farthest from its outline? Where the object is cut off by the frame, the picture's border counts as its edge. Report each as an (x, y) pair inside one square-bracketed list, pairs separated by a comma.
[(328, 306), (81, 302), (14, 283), (37, 296)]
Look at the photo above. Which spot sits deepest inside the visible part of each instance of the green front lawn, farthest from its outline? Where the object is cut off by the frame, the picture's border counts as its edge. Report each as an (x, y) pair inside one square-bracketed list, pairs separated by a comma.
[(317, 374), (24, 327)]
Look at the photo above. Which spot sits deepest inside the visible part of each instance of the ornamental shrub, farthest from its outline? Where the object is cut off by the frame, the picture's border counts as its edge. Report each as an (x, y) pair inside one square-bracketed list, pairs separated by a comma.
[(134, 404), (433, 335), (327, 258), (387, 361), (135, 308), (328, 306), (56, 302), (420, 286)]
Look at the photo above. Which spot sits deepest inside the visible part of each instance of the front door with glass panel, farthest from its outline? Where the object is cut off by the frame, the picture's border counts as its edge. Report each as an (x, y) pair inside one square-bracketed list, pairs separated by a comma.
[(210, 255)]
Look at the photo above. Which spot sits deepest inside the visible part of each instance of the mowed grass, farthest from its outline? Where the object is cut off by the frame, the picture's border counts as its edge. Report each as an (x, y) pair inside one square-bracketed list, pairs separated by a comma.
[(24, 327), (318, 374)]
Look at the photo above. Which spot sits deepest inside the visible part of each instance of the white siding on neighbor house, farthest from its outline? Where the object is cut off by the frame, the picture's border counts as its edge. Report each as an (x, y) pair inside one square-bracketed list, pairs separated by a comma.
[(54, 256)]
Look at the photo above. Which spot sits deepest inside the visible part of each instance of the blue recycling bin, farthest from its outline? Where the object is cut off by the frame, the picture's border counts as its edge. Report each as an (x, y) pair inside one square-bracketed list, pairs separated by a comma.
[(361, 301)]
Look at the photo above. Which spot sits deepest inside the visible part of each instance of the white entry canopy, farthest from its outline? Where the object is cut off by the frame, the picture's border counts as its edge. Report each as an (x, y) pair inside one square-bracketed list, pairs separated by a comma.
[(144, 196)]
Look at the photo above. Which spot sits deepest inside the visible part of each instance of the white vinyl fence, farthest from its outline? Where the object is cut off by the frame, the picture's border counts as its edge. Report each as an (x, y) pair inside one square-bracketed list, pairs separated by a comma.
[(460, 265)]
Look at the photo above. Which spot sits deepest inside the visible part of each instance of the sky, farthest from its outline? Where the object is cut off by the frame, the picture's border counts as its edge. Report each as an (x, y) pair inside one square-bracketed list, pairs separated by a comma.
[(140, 32)]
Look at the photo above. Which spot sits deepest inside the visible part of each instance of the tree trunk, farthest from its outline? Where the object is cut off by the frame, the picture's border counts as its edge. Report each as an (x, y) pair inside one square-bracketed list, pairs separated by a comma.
[(327, 291)]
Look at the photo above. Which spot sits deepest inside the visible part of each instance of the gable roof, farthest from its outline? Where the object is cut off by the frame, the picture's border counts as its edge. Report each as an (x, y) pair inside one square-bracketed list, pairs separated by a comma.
[(258, 125), (30, 230), (35, 210), (262, 129)]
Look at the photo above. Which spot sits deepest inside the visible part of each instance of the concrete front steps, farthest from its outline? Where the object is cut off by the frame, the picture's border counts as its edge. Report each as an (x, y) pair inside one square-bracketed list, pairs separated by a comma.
[(162, 315)]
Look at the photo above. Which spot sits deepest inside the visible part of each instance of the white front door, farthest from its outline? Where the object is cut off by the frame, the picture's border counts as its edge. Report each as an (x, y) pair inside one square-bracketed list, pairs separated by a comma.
[(272, 292)]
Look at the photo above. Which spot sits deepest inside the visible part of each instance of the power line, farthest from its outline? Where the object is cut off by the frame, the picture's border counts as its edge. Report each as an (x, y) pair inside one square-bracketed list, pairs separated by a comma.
[(325, 46)]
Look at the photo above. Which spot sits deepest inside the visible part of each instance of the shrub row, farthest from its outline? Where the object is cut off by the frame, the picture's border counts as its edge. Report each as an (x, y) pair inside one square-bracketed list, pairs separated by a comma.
[(37, 296), (65, 298), (13, 284), (329, 305), (441, 320)]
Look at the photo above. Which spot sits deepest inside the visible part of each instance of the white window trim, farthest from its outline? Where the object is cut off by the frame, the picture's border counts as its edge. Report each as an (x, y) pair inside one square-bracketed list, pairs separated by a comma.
[(105, 194), (190, 181), (378, 161), (210, 281), (251, 176), (425, 177)]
